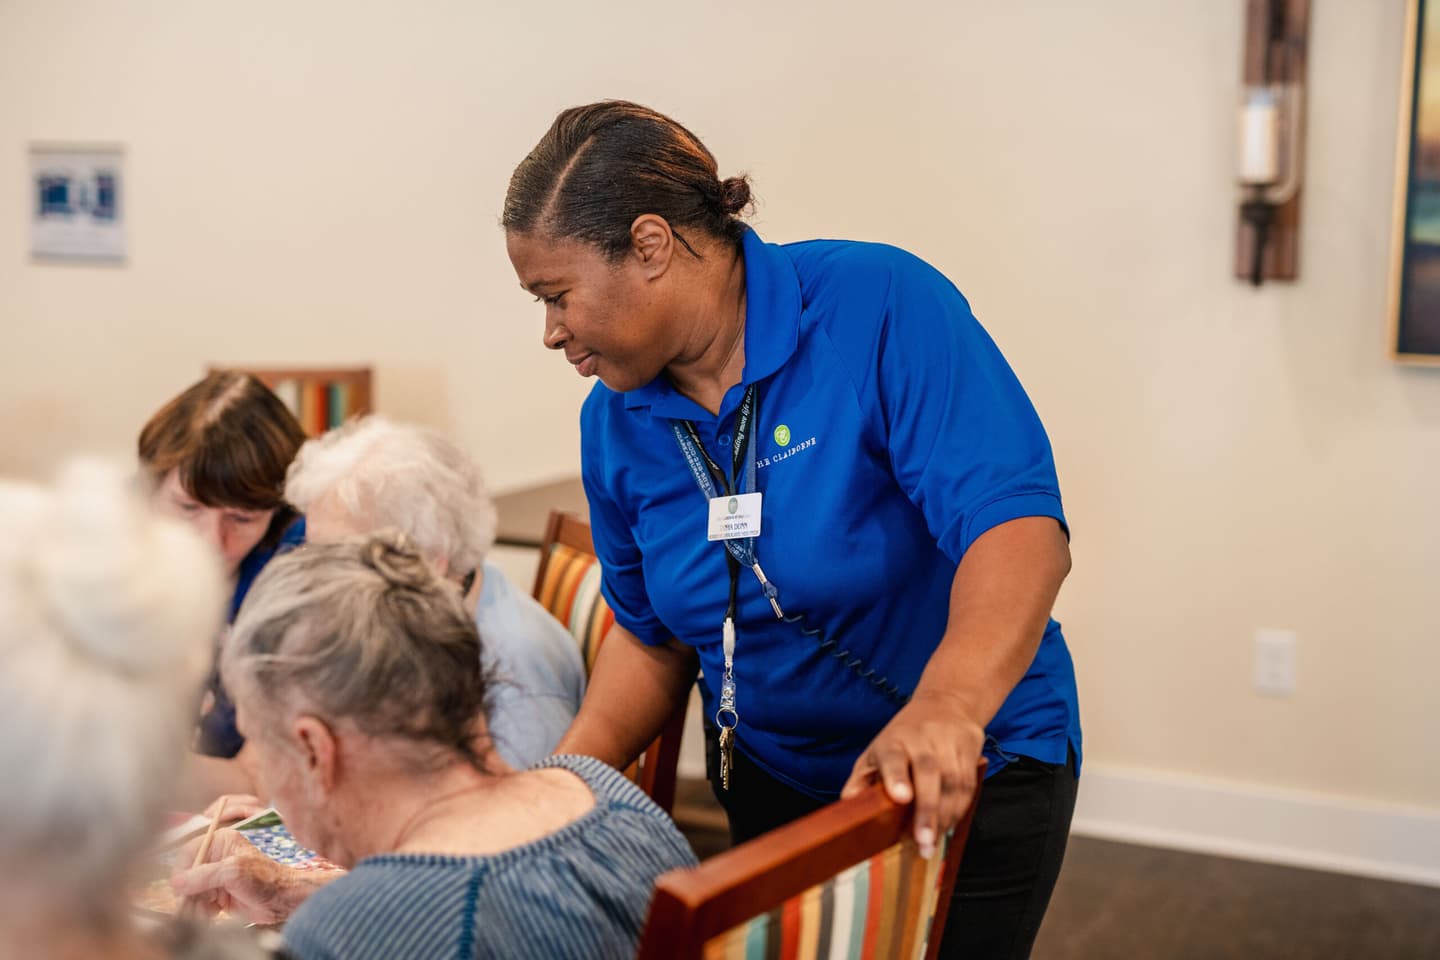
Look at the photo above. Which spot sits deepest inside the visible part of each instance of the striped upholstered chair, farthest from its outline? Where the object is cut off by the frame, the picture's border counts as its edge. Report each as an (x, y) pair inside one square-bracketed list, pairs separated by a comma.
[(567, 584), (845, 881)]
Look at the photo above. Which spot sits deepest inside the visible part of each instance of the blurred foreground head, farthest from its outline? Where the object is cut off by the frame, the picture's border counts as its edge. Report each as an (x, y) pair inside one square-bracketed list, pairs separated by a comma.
[(107, 613)]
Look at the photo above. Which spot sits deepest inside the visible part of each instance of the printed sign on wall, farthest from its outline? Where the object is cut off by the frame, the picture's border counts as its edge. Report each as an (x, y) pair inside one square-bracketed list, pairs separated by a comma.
[(77, 198)]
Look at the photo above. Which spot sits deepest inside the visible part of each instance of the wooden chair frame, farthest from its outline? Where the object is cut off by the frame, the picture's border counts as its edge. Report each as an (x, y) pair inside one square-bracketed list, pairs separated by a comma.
[(692, 906), (658, 763), (567, 530)]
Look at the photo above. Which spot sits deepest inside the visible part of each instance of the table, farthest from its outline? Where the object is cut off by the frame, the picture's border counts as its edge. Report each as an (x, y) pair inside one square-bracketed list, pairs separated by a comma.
[(523, 511)]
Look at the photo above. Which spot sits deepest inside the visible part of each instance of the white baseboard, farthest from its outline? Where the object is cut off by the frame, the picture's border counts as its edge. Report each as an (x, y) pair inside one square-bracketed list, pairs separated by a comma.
[(1314, 831)]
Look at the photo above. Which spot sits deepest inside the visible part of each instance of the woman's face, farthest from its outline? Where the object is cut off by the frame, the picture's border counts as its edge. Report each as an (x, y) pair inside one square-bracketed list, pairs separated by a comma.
[(285, 777), (232, 531), (610, 319)]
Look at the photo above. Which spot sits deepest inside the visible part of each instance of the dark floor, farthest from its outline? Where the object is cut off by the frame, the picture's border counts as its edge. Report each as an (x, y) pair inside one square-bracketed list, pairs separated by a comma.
[(1116, 901), (700, 818)]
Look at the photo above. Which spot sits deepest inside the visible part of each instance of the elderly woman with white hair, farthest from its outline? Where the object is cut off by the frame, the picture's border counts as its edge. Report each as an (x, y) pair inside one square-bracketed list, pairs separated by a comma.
[(375, 474), (356, 672), (104, 611)]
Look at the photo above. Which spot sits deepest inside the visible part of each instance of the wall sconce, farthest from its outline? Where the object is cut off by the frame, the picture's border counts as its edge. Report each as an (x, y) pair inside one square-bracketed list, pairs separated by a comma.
[(1272, 128)]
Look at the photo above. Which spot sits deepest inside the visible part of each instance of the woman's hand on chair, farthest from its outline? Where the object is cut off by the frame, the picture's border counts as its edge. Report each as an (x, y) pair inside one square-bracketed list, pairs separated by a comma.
[(928, 753)]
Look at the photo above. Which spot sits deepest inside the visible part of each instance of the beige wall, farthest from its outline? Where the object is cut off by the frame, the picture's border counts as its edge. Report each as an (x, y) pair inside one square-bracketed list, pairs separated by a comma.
[(319, 182)]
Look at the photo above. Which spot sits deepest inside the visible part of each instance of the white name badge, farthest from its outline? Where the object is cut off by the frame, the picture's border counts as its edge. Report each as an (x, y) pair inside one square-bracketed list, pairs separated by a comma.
[(732, 518)]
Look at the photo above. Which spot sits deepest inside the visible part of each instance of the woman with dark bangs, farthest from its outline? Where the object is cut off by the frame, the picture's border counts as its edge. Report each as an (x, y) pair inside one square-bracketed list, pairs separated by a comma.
[(216, 456)]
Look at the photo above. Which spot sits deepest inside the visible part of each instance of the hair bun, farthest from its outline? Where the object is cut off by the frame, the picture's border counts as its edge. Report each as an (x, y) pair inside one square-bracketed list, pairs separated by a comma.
[(390, 554), (734, 194)]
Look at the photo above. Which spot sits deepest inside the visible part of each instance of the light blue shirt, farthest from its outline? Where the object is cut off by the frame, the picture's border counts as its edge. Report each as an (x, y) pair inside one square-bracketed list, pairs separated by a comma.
[(536, 672)]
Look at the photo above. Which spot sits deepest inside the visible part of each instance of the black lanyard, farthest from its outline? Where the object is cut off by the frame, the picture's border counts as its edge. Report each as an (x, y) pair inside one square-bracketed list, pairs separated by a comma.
[(739, 448), (739, 551), (729, 486), (741, 479)]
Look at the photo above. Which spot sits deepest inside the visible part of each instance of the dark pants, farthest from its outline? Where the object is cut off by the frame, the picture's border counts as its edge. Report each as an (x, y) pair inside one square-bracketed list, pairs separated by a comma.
[(1012, 857)]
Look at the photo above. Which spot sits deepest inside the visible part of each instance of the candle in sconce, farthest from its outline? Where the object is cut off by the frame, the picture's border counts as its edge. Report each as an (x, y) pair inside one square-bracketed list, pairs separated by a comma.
[(1259, 137)]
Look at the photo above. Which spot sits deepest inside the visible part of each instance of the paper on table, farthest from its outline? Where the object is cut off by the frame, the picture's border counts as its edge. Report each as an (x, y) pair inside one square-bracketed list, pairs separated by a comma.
[(271, 837), (268, 817)]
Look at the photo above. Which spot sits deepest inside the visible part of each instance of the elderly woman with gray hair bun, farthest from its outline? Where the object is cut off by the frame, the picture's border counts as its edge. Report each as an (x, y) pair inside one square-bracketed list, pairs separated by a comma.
[(356, 671), (104, 611), (374, 474)]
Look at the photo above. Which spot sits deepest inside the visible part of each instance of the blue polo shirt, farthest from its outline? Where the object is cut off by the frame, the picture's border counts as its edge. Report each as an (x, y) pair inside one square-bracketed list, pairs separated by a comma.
[(216, 734), (891, 434), (256, 560)]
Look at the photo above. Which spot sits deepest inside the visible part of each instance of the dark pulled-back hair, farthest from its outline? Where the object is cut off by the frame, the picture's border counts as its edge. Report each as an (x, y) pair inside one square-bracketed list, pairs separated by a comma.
[(602, 165), (231, 441)]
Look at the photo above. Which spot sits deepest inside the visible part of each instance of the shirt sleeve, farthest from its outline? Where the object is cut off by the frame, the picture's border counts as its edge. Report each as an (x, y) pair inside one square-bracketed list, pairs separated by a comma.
[(622, 574), (965, 442), (307, 936)]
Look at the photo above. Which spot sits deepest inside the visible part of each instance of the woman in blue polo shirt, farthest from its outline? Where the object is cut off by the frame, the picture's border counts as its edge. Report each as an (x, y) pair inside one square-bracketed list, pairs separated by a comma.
[(810, 472)]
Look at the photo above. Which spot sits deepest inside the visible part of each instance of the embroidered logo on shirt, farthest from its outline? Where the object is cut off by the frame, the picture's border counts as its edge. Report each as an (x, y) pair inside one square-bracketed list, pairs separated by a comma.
[(782, 436), (785, 454)]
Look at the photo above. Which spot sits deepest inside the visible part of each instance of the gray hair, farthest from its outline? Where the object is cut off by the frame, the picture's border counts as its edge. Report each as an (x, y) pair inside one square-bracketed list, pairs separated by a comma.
[(108, 615), (405, 478), (363, 630)]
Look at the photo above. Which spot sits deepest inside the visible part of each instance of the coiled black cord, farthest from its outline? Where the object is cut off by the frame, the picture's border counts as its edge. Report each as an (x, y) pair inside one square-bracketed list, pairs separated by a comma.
[(887, 687)]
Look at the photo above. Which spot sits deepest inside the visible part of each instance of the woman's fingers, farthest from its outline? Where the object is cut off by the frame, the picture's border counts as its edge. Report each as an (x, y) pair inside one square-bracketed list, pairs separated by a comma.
[(199, 883), (242, 881), (927, 753), (861, 776), (885, 759), (957, 787), (893, 759), (928, 797)]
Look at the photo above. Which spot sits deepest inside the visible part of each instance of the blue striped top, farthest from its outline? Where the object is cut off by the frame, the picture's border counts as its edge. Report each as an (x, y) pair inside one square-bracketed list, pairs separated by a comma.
[(582, 891)]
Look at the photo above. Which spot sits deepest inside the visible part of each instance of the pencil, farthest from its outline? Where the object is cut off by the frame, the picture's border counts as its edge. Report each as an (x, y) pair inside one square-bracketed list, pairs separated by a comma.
[(204, 850), (190, 904)]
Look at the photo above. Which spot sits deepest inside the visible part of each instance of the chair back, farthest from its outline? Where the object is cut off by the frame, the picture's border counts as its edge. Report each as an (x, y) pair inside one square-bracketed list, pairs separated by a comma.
[(567, 583), (844, 881)]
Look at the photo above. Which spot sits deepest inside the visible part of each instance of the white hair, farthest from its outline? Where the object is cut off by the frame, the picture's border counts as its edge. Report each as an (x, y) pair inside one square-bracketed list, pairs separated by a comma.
[(401, 477), (108, 616)]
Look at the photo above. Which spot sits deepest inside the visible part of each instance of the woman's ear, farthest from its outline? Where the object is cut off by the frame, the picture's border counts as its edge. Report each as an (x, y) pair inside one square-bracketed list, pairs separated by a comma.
[(319, 752), (652, 244)]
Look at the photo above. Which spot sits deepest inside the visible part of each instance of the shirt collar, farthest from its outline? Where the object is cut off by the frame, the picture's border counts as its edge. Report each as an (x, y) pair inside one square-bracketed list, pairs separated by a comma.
[(772, 329)]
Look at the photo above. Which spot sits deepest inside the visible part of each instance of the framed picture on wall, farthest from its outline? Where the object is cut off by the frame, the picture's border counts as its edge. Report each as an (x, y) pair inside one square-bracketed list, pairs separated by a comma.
[(77, 203), (1415, 233)]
